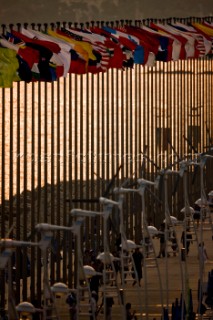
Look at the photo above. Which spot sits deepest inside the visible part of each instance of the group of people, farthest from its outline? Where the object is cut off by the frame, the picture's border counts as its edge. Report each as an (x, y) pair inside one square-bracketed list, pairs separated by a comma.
[(136, 267), (186, 240), (136, 270), (95, 309), (89, 258)]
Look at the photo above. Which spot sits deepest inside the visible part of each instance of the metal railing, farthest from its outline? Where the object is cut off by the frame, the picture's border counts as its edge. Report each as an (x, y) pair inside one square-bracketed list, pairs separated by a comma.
[(63, 142)]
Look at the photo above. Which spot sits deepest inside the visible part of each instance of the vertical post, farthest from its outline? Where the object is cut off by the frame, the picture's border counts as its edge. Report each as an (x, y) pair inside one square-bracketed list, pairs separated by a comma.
[(2, 192), (70, 175), (200, 249), (6, 263), (185, 283), (18, 188), (58, 177), (143, 221), (106, 252), (25, 167), (46, 237), (122, 233), (166, 236), (107, 211), (122, 236), (45, 279), (10, 284), (77, 273), (52, 147)]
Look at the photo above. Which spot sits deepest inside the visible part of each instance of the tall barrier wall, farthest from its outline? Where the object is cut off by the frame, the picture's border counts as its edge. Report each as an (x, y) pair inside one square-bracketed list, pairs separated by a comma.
[(65, 143)]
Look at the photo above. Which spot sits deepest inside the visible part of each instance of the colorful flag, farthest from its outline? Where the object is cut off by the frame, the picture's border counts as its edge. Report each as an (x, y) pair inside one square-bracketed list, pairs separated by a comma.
[(202, 44), (8, 67), (117, 56), (131, 44), (186, 42)]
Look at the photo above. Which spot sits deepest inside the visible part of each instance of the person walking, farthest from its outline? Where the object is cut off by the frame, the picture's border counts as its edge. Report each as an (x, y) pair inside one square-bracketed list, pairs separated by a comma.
[(138, 261), (93, 304), (95, 281), (174, 244), (186, 240), (109, 304), (202, 253), (72, 302), (162, 241), (130, 315)]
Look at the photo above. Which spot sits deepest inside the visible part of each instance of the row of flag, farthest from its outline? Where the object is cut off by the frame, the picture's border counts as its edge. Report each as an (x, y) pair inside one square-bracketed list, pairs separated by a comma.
[(45, 55)]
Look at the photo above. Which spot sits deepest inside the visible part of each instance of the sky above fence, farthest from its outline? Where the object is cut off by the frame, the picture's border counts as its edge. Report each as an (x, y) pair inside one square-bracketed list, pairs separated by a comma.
[(82, 11)]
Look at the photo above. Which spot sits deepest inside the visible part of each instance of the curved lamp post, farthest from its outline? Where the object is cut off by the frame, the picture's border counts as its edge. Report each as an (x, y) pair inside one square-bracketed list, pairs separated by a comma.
[(125, 244), (201, 162), (46, 232), (170, 222), (106, 257), (5, 260), (143, 184)]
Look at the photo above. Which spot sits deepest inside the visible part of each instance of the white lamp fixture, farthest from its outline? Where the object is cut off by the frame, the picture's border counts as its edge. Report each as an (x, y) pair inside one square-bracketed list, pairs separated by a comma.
[(187, 208), (59, 287), (153, 230), (130, 245), (106, 257), (173, 219), (25, 308)]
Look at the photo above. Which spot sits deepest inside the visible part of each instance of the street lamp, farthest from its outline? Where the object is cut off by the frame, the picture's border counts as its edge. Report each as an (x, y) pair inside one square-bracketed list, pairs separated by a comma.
[(170, 222), (125, 244), (5, 261), (106, 256), (143, 184), (203, 206), (46, 230)]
